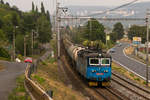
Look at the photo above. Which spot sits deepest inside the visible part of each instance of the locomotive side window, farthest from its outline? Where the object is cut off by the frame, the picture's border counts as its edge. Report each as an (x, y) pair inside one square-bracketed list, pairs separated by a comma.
[(105, 61), (94, 61)]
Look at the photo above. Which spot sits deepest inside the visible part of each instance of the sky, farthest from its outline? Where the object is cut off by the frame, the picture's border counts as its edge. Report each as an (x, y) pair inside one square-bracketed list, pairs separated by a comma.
[(26, 5)]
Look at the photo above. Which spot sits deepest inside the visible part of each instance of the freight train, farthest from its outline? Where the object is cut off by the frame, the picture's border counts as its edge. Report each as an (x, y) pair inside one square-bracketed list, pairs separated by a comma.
[(93, 65)]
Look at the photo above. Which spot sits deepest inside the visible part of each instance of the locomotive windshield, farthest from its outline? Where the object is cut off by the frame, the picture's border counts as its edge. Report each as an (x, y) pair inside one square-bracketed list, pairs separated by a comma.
[(105, 61), (94, 61)]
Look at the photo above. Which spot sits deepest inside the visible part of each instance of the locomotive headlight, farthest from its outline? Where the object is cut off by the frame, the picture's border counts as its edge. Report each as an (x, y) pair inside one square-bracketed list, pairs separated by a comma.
[(106, 71), (100, 55), (93, 71)]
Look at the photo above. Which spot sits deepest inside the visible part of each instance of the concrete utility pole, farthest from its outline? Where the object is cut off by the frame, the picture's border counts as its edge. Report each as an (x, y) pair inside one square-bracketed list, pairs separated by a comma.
[(106, 40), (24, 46), (147, 46), (32, 41), (58, 31), (90, 29), (58, 21), (14, 44)]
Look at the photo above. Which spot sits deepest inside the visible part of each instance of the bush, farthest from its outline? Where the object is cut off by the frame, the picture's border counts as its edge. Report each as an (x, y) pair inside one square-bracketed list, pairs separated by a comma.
[(39, 79), (20, 57), (4, 53), (52, 60)]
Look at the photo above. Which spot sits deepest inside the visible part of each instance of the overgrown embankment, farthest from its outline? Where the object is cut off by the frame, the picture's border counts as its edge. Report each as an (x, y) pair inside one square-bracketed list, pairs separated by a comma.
[(122, 71), (49, 78), (19, 93)]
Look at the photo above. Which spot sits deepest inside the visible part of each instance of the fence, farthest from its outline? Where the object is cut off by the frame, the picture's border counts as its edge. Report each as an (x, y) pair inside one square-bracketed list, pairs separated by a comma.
[(35, 92)]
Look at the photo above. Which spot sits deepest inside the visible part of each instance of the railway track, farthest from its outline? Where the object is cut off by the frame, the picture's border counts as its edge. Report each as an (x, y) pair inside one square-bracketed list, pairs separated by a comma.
[(76, 82), (108, 93), (135, 89), (93, 93)]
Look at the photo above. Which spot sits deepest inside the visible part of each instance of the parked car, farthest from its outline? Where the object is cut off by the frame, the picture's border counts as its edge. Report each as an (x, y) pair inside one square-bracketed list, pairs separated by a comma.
[(112, 50), (28, 60)]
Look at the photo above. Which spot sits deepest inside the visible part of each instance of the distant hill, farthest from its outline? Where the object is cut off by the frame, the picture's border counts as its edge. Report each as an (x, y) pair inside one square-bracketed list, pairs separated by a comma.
[(137, 10)]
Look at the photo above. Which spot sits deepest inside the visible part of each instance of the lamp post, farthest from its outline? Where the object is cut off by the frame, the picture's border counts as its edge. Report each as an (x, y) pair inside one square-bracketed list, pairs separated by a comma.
[(32, 42), (14, 44), (106, 37), (25, 49)]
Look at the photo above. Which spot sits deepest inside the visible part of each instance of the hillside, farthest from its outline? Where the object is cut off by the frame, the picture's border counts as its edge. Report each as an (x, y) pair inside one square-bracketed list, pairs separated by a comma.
[(18, 25)]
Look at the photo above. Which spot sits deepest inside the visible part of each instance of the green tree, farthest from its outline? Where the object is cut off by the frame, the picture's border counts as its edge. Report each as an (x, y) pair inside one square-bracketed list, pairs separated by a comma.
[(113, 36), (42, 8), (33, 7), (118, 32), (48, 15), (138, 31), (4, 53), (44, 29), (2, 35), (15, 19), (15, 8), (8, 27), (27, 21), (20, 44), (94, 31), (1, 23), (7, 4), (2, 2), (36, 10)]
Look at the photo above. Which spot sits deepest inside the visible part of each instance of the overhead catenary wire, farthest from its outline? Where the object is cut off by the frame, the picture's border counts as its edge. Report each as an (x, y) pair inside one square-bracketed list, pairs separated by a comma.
[(106, 19), (113, 9)]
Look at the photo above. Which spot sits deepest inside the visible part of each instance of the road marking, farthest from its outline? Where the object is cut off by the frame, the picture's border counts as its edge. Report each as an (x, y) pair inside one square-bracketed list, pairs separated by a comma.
[(128, 68), (132, 58)]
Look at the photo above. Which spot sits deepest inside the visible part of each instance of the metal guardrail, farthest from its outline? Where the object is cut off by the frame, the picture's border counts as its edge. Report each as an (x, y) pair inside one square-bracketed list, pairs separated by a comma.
[(36, 92)]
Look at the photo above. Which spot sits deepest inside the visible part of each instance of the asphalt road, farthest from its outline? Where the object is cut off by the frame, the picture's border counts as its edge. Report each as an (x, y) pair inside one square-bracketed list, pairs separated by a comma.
[(131, 64), (8, 77)]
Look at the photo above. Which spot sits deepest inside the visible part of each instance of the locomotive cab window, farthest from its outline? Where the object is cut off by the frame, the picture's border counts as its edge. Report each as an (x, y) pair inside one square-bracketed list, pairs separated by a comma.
[(105, 61), (94, 61)]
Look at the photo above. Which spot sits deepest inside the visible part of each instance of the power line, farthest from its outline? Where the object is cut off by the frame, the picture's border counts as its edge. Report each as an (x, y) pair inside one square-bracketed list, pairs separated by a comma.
[(105, 19), (127, 4)]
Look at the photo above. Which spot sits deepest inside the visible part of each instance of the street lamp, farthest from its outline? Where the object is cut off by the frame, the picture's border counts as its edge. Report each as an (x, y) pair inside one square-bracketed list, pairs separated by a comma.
[(14, 44), (25, 49)]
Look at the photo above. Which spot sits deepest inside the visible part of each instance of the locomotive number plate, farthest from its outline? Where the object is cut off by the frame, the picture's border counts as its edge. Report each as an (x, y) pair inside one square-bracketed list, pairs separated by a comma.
[(93, 83), (105, 83), (99, 73)]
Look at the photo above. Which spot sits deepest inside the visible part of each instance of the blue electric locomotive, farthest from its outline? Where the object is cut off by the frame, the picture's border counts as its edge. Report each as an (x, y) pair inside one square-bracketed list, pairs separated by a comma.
[(93, 65)]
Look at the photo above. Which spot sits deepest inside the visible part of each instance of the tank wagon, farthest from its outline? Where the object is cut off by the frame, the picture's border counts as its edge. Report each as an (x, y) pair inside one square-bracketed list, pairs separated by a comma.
[(93, 65)]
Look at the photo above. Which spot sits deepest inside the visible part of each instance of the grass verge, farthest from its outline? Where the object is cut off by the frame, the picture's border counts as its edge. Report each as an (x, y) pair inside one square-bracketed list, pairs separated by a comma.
[(19, 93), (6, 59), (49, 78), (126, 73)]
